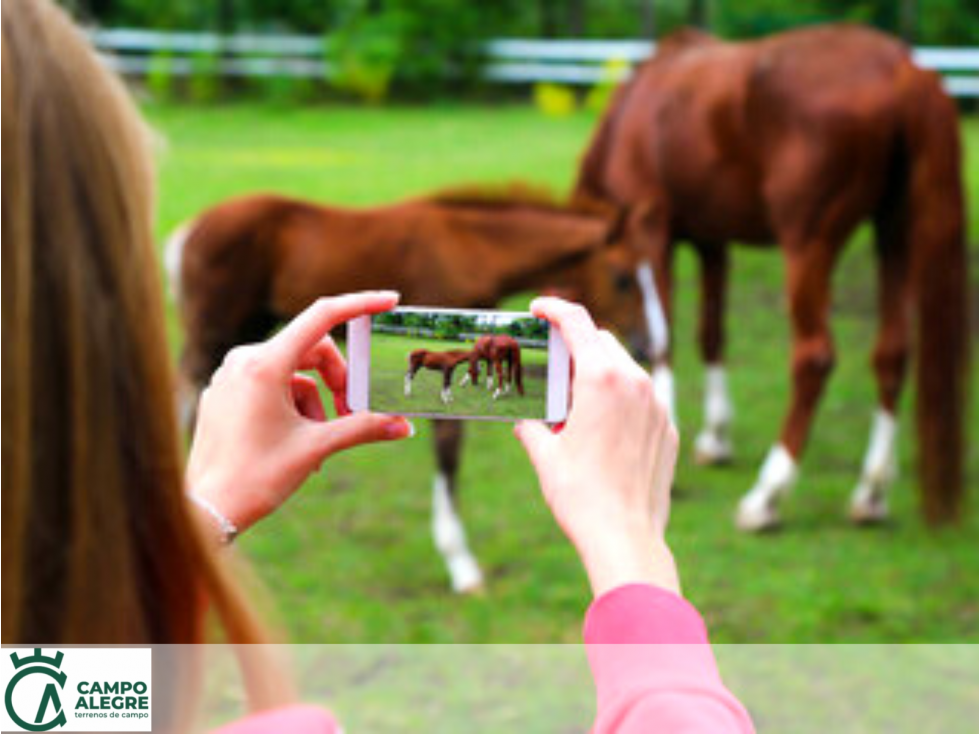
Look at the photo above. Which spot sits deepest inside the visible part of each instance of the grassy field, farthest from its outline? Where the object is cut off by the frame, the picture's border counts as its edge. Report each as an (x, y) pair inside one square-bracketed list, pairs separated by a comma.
[(389, 359), (350, 557)]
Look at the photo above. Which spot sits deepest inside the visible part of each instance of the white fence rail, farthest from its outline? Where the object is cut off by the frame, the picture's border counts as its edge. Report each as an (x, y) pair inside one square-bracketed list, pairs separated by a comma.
[(509, 60)]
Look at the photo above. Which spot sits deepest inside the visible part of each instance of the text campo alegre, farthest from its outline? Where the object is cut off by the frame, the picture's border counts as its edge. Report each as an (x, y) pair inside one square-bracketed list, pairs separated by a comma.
[(118, 696)]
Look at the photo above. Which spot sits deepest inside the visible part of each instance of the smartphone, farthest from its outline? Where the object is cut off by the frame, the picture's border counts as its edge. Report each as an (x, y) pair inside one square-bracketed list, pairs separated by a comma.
[(464, 364)]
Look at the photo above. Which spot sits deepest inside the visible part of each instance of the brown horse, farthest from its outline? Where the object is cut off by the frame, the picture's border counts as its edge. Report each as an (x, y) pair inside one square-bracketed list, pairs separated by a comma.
[(444, 362), (501, 353), (245, 265), (796, 139)]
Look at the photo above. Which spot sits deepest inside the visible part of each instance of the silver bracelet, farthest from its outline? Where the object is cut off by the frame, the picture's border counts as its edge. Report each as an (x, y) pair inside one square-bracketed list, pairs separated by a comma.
[(229, 531)]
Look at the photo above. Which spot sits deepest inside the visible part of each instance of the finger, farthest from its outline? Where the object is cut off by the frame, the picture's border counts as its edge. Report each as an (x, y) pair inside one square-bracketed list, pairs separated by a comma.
[(306, 396), (617, 352), (359, 428), (287, 348), (572, 321), (329, 362), (535, 437)]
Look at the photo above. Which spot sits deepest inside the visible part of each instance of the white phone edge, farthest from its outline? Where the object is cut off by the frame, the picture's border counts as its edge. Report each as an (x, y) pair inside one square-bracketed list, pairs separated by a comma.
[(358, 363), (558, 376)]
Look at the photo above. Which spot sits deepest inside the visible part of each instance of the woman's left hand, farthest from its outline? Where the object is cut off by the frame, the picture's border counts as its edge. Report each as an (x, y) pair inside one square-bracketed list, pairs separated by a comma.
[(262, 428)]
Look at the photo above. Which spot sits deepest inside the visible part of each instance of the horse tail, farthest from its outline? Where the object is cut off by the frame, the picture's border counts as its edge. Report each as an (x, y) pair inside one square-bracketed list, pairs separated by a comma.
[(939, 268), (517, 368)]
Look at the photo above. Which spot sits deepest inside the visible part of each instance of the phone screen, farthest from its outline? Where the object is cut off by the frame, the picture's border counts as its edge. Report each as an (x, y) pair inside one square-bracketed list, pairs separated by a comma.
[(451, 363)]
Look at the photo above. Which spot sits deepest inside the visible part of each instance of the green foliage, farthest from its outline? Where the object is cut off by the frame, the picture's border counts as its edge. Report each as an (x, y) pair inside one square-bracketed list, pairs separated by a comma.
[(366, 53), (418, 46), (204, 85), (284, 91), (949, 22), (430, 34), (555, 100), (159, 78)]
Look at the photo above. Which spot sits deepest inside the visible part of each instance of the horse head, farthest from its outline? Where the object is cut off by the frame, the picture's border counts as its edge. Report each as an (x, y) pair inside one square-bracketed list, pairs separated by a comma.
[(607, 282)]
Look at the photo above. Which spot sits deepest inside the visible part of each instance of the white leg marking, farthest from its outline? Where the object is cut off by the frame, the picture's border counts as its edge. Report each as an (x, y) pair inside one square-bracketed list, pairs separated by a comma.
[(173, 256), (446, 395), (465, 380), (663, 389), (407, 385), (450, 540), (869, 500), (659, 332), (758, 510), (497, 393), (489, 381), (713, 445), (187, 399)]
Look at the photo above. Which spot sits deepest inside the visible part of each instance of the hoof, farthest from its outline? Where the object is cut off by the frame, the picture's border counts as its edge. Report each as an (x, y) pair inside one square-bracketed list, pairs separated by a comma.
[(868, 509), (467, 578), (757, 517), (711, 450), (476, 590)]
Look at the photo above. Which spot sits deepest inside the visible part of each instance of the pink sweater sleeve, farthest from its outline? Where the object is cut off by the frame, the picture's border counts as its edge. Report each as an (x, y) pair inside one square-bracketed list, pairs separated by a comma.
[(653, 667), (296, 719)]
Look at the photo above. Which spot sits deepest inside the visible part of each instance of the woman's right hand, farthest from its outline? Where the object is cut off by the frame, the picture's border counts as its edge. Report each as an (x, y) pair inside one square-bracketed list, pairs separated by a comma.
[(607, 475)]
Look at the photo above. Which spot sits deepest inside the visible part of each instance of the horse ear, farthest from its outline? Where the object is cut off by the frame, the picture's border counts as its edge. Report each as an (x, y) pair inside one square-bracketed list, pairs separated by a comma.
[(617, 225), (615, 215)]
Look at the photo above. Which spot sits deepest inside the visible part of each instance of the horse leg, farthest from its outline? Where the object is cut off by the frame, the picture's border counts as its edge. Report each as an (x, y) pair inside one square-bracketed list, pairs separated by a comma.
[(489, 374), (713, 444), (446, 394), (409, 376), (655, 278), (447, 529), (809, 271), (501, 383), (868, 503), (207, 341)]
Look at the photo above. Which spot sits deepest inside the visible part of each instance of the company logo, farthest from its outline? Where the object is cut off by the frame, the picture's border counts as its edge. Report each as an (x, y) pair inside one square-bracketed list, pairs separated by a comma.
[(76, 690), (37, 665)]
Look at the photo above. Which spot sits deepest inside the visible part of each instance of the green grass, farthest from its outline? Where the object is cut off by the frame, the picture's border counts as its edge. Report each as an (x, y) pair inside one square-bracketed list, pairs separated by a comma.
[(350, 557), (389, 361)]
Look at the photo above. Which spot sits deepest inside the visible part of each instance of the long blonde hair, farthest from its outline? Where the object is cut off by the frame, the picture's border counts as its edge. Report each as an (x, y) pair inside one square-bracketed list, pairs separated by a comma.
[(99, 544)]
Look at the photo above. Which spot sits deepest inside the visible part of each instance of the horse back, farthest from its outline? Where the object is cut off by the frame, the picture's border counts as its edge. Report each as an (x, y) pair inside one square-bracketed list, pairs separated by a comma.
[(707, 128)]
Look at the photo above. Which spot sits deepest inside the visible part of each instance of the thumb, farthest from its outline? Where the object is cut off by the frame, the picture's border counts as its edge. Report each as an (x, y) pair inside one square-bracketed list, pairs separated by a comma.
[(535, 437), (352, 430)]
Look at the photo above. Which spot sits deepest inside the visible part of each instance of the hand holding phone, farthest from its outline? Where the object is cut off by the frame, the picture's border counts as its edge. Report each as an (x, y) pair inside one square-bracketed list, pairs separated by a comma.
[(607, 476), (458, 364), (252, 449)]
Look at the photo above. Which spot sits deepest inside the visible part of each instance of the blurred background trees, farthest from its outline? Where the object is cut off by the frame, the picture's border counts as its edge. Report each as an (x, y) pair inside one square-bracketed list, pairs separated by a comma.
[(424, 48), (435, 25)]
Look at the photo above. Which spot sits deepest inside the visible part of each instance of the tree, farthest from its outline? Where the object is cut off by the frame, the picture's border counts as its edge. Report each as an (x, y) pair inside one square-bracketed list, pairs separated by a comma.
[(647, 18), (576, 18), (908, 21), (699, 13)]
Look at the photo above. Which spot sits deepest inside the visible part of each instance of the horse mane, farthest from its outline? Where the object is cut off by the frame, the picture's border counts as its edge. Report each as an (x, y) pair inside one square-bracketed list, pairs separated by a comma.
[(519, 194), (499, 196)]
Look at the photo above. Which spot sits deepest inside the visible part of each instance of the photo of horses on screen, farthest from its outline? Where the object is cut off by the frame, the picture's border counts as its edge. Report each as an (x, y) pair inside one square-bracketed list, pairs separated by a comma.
[(459, 363)]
